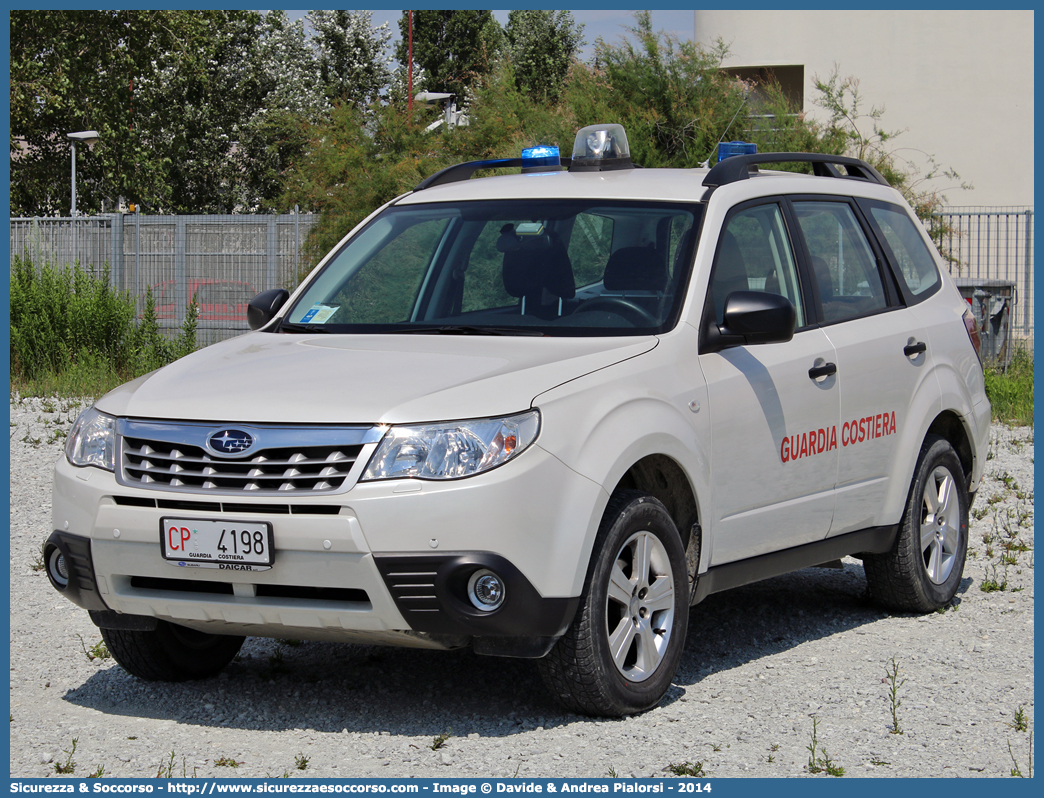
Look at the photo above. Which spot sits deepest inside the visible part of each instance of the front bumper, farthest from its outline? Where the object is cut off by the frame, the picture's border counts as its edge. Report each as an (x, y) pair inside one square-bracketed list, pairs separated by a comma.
[(339, 560)]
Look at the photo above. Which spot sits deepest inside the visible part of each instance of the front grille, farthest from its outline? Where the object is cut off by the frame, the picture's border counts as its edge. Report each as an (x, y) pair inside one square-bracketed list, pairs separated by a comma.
[(286, 459), (312, 468)]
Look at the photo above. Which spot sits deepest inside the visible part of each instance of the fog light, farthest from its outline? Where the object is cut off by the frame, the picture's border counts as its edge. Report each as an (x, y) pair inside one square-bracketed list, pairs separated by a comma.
[(486, 590), (57, 568)]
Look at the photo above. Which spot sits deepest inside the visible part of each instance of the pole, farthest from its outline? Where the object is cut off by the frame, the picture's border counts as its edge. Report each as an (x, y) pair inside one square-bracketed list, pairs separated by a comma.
[(74, 178), (1027, 301), (409, 68)]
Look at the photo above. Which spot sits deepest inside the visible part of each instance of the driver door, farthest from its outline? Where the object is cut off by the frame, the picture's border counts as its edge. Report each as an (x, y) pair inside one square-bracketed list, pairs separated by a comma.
[(773, 425)]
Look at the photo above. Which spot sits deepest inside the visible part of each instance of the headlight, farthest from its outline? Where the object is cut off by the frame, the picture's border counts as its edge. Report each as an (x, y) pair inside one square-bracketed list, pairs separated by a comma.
[(453, 450), (92, 441)]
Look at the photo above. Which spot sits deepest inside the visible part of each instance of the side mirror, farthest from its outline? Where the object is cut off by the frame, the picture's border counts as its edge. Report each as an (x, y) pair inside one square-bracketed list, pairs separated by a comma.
[(759, 317), (751, 317), (264, 306)]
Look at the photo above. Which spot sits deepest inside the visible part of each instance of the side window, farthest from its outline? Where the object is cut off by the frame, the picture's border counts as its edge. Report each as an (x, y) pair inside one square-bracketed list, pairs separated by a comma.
[(843, 264), (909, 253), (483, 285), (754, 254), (589, 247)]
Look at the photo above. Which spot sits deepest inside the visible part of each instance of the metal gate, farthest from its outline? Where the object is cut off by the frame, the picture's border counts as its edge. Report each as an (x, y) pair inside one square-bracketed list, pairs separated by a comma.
[(994, 244)]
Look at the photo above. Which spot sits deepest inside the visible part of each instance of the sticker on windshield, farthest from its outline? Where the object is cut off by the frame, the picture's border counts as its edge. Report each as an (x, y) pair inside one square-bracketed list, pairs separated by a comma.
[(317, 314)]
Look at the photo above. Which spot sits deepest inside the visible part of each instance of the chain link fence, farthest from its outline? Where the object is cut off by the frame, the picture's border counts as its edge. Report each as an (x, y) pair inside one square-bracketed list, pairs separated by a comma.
[(224, 261)]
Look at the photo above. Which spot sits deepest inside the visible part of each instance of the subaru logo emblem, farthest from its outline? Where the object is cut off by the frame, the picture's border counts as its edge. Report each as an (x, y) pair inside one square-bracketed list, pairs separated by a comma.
[(230, 441)]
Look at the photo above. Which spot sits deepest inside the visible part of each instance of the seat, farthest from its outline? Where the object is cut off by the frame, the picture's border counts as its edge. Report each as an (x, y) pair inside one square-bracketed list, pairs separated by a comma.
[(540, 276), (635, 269)]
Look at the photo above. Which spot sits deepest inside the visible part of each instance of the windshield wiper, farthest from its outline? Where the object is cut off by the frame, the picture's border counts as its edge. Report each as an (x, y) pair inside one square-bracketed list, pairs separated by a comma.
[(302, 328), (467, 329)]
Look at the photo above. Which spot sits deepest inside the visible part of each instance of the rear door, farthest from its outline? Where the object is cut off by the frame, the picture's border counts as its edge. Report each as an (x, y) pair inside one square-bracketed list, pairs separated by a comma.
[(881, 348)]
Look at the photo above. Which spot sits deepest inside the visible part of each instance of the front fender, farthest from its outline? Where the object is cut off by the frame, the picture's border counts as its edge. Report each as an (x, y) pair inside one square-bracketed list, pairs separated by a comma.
[(604, 423)]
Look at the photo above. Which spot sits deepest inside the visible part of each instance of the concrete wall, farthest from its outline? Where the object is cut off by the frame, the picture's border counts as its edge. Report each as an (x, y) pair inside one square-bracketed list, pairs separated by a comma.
[(958, 83)]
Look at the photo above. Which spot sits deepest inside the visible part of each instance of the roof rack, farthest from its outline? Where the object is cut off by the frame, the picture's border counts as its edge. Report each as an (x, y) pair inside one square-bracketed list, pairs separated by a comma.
[(737, 168), (464, 171)]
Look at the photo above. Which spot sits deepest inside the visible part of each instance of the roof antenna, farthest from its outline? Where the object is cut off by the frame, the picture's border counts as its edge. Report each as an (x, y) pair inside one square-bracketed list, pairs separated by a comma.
[(746, 95)]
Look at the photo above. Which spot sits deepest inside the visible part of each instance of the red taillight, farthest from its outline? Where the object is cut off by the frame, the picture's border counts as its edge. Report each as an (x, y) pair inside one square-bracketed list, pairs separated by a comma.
[(973, 332)]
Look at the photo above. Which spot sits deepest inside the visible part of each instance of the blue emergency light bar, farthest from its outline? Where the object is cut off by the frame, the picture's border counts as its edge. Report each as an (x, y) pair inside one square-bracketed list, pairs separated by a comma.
[(729, 148), (543, 158)]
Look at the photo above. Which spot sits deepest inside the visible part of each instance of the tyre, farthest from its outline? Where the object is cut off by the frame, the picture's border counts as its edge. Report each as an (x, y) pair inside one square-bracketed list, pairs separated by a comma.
[(171, 653), (622, 650), (923, 570)]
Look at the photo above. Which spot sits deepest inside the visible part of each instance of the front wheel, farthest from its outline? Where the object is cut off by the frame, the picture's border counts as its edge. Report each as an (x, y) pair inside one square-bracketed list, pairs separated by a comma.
[(923, 570), (623, 648), (171, 653)]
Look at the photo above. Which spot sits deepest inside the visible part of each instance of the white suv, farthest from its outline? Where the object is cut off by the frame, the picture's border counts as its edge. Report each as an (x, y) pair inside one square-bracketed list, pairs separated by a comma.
[(543, 414)]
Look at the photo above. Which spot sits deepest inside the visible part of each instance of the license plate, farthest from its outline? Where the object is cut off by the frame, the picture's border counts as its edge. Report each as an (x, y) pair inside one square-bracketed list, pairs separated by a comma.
[(225, 545)]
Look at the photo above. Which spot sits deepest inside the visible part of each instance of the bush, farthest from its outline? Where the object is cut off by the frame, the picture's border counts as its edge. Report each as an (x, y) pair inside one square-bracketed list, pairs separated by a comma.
[(71, 332), (60, 315), (1011, 392)]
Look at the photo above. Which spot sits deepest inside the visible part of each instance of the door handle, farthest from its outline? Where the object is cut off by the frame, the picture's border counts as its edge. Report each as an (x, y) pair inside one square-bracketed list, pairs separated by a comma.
[(915, 349), (822, 371)]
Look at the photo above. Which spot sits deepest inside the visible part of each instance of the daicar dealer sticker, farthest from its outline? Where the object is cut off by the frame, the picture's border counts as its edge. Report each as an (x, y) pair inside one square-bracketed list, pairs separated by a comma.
[(817, 441)]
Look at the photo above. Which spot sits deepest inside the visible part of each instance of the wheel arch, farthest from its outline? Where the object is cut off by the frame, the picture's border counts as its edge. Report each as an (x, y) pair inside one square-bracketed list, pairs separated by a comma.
[(663, 478), (950, 426)]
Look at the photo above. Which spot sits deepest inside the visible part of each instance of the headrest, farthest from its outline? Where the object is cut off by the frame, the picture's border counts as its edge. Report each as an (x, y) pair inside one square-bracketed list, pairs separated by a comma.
[(528, 271)]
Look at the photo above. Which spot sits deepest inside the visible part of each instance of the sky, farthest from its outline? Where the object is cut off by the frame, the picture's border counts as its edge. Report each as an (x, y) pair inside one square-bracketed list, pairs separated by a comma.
[(608, 24)]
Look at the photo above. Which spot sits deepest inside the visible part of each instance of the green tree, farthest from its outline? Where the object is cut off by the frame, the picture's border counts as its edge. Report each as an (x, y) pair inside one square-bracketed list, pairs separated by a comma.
[(83, 70), (197, 111), (352, 55), (670, 95), (285, 98), (541, 45), (454, 48)]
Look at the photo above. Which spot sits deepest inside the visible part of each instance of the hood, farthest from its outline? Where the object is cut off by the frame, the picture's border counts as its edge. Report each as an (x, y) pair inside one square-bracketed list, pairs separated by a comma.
[(364, 379)]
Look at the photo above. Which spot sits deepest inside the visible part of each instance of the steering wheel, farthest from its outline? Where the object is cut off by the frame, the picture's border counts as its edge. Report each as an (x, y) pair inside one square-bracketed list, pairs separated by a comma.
[(621, 306)]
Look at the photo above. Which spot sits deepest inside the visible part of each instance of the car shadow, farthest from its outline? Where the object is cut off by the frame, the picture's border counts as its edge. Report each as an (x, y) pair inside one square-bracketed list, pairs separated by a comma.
[(337, 687)]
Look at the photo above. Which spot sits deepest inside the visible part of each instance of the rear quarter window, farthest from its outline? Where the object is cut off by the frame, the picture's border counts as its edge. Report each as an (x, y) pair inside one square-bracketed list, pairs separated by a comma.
[(910, 255)]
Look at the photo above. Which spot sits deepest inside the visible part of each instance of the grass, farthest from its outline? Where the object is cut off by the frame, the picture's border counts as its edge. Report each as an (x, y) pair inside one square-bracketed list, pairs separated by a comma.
[(692, 769), (819, 760), (1020, 723), (1016, 771), (1011, 392), (991, 584), (98, 651), (892, 674), (301, 761), (226, 762), (68, 766), (440, 740)]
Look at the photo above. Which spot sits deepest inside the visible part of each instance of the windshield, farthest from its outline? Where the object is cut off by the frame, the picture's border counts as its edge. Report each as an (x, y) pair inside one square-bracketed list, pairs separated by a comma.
[(548, 267)]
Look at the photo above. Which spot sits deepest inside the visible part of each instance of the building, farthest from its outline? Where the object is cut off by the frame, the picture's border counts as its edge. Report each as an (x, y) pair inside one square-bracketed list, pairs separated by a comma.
[(959, 84)]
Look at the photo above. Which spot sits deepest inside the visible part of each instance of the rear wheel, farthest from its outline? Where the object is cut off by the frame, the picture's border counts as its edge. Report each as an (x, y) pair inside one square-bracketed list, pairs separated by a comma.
[(171, 653), (923, 570), (622, 650)]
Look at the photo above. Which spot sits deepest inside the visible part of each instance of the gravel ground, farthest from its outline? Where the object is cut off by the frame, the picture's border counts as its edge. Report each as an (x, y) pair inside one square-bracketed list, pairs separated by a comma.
[(761, 663)]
